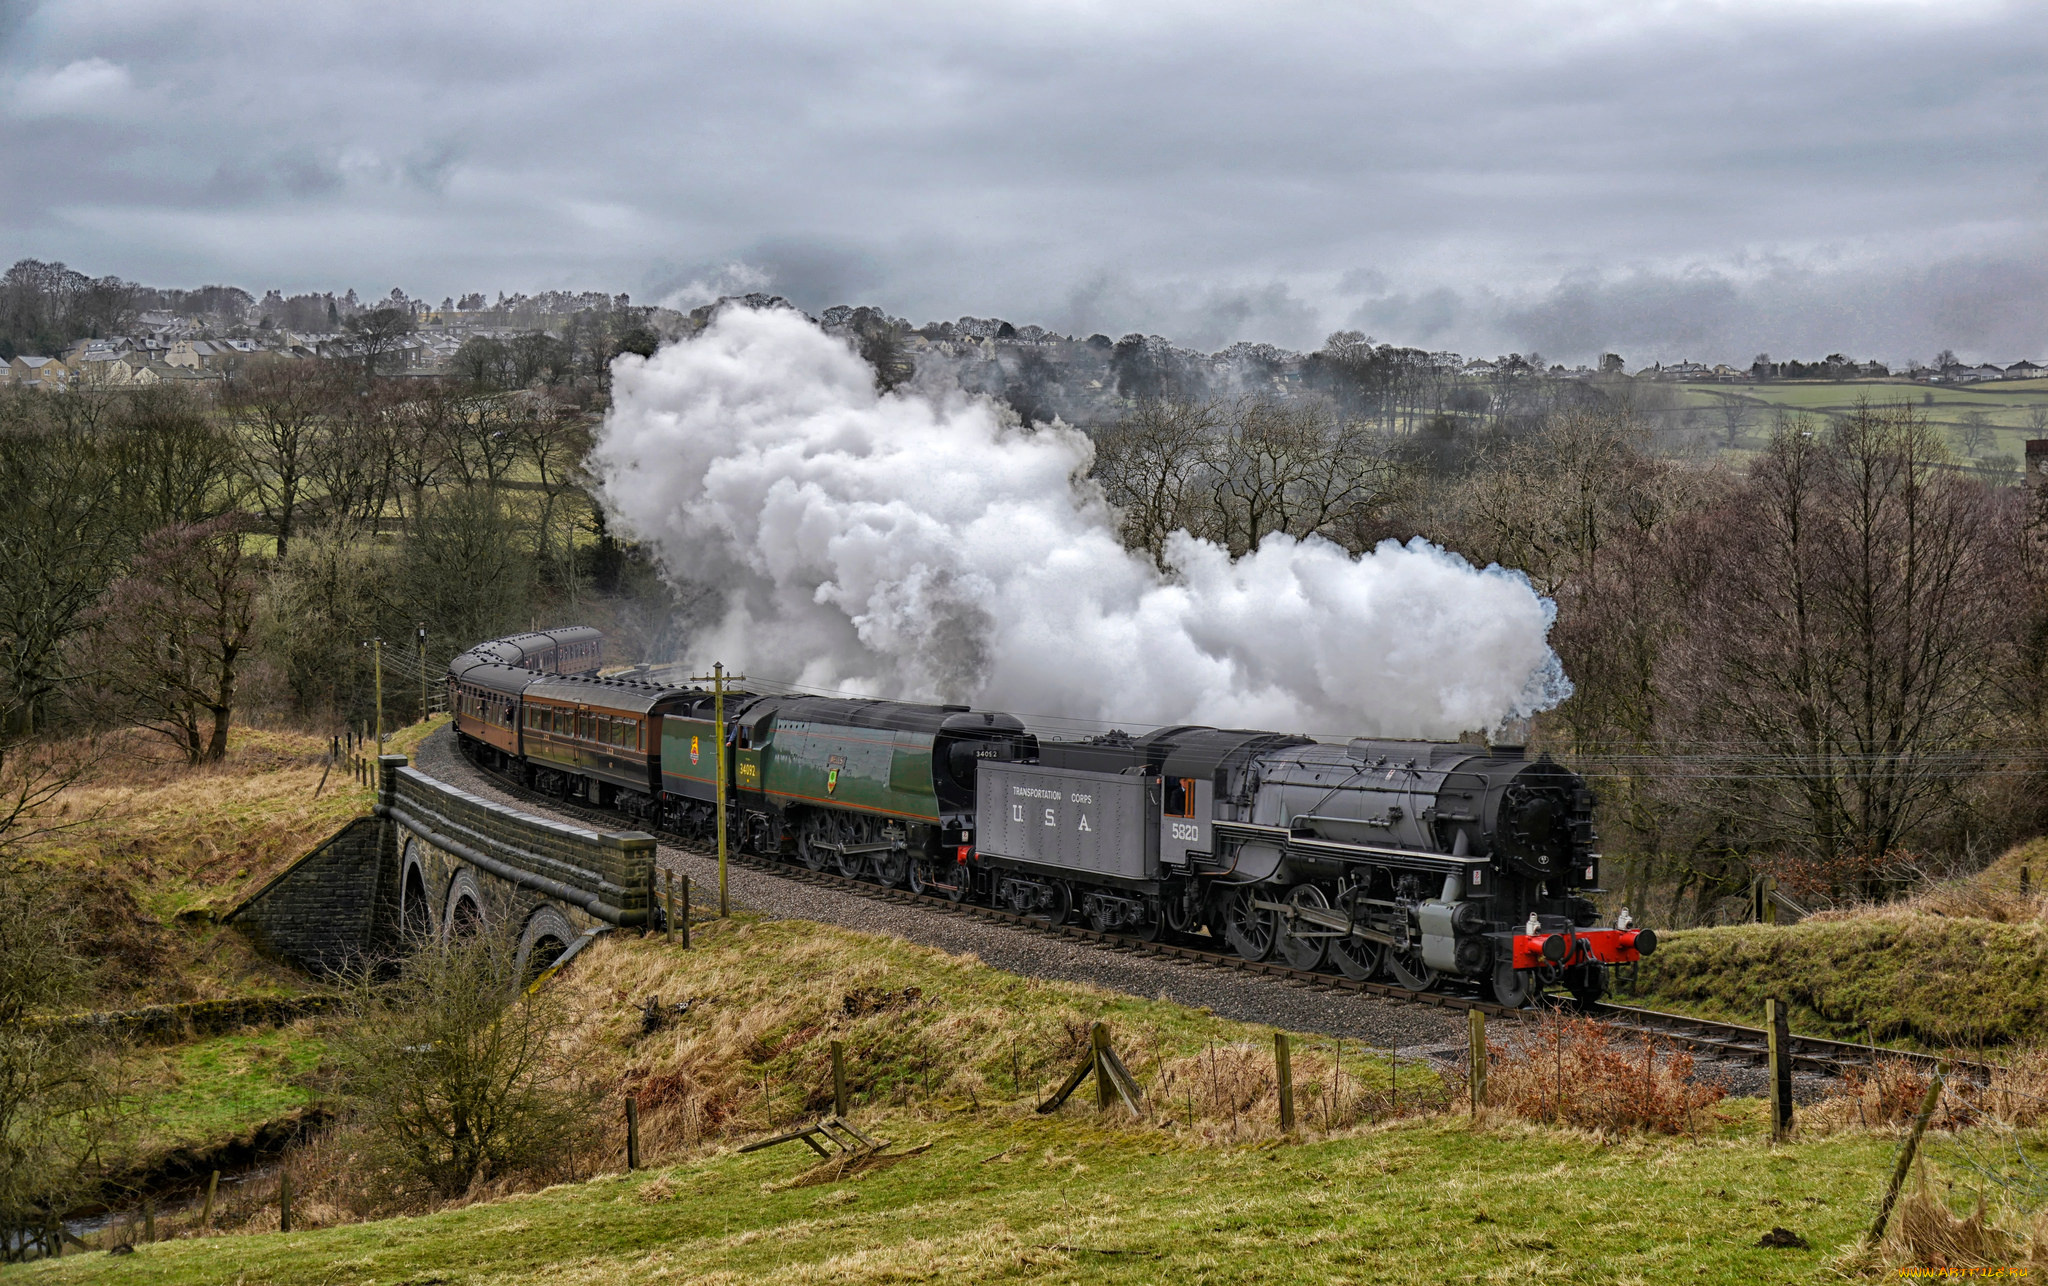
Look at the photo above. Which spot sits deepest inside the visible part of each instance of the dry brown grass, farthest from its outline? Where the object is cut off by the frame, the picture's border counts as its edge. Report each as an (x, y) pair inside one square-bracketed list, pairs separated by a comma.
[(1229, 1092), (1887, 1096), (153, 850), (1926, 1234), (203, 833), (1576, 1072), (2012, 890), (927, 1036)]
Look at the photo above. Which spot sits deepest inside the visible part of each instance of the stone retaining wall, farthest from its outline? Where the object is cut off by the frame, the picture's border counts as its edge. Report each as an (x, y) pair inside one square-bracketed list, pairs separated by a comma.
[(428, 859)]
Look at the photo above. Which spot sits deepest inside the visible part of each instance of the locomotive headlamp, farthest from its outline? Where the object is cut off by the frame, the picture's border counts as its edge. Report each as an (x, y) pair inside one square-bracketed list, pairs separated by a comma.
[(1623, 920)]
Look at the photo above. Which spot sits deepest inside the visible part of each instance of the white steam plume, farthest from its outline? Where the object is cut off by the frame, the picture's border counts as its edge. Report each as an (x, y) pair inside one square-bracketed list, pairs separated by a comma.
[(906, 547)]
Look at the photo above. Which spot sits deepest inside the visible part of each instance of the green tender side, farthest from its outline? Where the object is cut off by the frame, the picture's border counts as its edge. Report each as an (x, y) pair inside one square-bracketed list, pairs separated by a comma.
[(681, 773), (873, 770)]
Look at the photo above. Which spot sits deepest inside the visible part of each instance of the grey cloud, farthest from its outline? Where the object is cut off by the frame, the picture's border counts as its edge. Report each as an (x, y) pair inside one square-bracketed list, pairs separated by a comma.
[(1423, 318), (1510, 175), (1989, 308), (1192, 313)]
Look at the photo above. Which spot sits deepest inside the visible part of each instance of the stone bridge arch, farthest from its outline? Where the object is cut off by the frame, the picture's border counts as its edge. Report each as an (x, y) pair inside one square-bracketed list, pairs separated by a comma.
[(432, 859)]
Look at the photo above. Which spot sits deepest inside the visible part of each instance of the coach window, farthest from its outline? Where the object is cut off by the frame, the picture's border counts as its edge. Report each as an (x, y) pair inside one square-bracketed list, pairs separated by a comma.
[(1180, 797)]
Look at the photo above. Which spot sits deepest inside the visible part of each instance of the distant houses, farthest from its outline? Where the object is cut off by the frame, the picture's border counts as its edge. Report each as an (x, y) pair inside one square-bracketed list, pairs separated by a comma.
[(150, 359), (1837, 367)]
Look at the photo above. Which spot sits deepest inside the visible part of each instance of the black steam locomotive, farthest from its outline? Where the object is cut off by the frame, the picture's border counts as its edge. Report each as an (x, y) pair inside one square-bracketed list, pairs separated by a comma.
[(1423, 864)]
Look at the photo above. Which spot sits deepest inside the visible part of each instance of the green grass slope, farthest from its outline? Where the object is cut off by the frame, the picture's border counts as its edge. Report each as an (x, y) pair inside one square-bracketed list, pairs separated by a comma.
[(1927, 981), (1963, 963), (1072, 1200)]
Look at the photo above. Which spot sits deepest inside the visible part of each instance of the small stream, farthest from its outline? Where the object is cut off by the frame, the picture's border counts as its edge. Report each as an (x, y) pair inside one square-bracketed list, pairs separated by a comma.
[(175, 1185), (181, 1204)]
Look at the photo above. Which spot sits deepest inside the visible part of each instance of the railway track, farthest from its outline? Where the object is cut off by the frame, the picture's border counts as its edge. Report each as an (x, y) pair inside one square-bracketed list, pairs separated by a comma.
[(1721, 1040)]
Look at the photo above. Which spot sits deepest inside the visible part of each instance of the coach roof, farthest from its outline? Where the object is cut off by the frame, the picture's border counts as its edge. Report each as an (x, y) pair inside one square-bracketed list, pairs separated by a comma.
[(627, 696)]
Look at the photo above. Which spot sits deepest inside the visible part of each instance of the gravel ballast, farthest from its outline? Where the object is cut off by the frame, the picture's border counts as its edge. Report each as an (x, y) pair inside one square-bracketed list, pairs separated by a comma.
[(1247, 998)]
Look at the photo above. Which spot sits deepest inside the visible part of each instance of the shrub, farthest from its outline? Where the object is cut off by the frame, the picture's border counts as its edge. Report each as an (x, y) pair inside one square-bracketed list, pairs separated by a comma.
[(1577, 1072), (454, 1070)]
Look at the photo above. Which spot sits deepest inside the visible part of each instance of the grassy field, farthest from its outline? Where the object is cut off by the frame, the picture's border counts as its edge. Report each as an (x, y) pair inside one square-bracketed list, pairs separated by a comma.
[(197, 1093), (2005, 405), (154, 850), (947, 1060), (998, 1198)]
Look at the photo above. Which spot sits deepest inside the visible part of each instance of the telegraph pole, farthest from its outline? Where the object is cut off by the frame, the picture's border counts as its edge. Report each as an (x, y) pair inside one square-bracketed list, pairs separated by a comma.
[(419, 633), (718, 678), (376, 647)]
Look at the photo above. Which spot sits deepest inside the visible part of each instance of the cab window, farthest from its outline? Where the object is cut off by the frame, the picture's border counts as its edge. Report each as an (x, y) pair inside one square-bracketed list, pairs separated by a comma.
[(1180, 797)]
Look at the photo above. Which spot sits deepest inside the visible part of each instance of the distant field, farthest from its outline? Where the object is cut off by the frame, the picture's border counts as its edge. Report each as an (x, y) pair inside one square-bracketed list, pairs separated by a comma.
[(2005, 406)]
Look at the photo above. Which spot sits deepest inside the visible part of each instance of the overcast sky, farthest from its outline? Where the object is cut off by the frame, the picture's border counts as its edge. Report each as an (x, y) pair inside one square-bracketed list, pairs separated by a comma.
[(1668, 180)]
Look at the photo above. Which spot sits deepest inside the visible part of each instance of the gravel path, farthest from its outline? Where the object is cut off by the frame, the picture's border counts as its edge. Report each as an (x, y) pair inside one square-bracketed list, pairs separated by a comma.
[(1248, 998)]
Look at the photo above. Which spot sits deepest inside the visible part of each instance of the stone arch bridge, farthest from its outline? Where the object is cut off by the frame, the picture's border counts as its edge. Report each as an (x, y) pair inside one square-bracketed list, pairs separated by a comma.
[(431, 860)]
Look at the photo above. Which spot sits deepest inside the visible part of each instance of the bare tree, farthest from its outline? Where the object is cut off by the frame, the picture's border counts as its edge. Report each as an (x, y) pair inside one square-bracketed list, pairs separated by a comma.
[(175, 463), (376, 338), (62, 539), (483, 363), (1549, 503), (556, 443), (1842, 659), (463, 569), (354, 458), (170, 636), (1151, 465), (421, 438), (315, 606), (1734, 412), (276, 407), (1974, 434), (481, 439), (1293, 468)]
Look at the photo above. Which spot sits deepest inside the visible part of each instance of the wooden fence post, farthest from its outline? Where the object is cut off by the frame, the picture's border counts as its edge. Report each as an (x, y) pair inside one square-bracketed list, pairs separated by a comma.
[(1476, 1035), (1098, 1036), (685, 914), (838, 1078), (149, 1220), (1891, 1192), (206, 1211), (1778, 1038), (1283, 1067), (632, 1133), (668, 906), (284, 1202)]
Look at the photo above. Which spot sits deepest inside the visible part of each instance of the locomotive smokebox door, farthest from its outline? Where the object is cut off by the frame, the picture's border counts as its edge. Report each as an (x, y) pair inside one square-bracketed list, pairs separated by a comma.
[(1186, 809), (1063, 819)]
